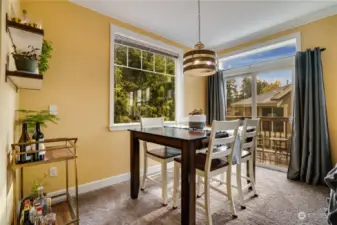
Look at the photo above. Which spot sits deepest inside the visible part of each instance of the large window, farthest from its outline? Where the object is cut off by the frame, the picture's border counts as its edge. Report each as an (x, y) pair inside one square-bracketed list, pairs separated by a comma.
[(144, 85), (259, 84), (145, 81)]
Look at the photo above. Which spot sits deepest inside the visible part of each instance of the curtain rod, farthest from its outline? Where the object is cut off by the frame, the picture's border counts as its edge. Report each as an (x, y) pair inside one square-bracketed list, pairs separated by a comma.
[(323, 49)]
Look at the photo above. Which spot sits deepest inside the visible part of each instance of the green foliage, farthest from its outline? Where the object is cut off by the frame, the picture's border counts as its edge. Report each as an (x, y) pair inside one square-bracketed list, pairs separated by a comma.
[(38, 182), (149, 92), (235, 94), (30, 54), (232, 92), (160, 64), (271, 86), (45, 56), (197, 112), (31, 117), (134, 58), (148, 61), (120, 55)]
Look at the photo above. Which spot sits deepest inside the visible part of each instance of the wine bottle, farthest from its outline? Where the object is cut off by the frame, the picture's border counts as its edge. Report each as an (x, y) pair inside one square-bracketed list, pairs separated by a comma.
[(48, 201), (25, 148), (26, 220), (38, 136)]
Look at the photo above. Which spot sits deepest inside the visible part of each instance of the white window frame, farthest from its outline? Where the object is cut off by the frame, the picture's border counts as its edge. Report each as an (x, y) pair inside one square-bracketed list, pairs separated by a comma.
[(179, 78), (296, 36), (255, 69)]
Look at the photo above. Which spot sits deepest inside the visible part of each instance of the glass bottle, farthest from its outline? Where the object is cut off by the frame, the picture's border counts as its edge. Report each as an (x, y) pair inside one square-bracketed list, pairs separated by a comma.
[(40, 198), (48, 201), (38, 136), (25, 148), (26, 220)]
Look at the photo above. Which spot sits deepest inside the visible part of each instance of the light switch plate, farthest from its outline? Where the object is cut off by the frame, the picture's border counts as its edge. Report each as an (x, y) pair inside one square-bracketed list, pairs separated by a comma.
[(53, 172), (53, 109)]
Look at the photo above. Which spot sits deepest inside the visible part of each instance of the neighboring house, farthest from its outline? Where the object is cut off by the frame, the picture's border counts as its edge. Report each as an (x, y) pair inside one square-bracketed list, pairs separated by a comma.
[(274, 103)]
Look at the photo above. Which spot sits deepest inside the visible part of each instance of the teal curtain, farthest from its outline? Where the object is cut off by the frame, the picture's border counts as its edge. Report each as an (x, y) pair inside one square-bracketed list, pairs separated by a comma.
[(310, 159), (215, 99)]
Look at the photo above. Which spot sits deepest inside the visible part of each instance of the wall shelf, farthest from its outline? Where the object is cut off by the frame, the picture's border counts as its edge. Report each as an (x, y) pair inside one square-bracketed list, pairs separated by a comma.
[(23, 27), (23, 36), (25, 80)]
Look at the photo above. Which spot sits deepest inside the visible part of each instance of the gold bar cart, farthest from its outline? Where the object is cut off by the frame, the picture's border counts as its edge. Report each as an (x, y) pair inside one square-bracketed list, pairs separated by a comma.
[(56, 150)]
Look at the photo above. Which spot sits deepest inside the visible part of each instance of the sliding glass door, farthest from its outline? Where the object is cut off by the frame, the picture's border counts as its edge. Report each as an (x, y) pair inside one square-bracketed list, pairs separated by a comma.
[(266, 95), (259, 84)]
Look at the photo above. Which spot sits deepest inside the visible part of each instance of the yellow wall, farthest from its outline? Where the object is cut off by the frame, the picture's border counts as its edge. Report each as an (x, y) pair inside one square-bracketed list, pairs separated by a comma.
[(322, 33), (78, 83), (8, 104)]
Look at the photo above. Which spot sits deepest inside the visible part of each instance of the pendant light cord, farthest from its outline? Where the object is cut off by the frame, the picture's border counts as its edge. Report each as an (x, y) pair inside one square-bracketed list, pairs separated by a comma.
[(199, 20)]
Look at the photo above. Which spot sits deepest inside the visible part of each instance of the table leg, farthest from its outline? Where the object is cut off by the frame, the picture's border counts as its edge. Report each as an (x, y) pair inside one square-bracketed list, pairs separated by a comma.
[(134, 166), (188, 207)]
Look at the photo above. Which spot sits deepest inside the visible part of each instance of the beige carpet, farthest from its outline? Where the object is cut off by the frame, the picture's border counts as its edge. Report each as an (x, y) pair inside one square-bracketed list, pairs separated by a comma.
[(279, 203)]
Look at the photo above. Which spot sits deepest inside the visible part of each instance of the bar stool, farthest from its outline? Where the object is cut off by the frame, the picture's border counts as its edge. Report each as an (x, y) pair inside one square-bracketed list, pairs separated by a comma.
[(211, 164), (248, 146), (163, 155)]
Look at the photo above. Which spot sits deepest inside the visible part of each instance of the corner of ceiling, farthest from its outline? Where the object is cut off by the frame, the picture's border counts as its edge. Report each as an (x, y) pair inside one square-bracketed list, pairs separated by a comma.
[(279, 28)]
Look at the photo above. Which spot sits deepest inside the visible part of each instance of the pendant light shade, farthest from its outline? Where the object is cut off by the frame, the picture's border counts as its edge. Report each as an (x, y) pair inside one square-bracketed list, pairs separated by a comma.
[(199, 61)]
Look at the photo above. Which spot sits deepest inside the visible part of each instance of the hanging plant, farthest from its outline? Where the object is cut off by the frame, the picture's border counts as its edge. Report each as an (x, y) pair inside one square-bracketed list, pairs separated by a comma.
[(45, 56)]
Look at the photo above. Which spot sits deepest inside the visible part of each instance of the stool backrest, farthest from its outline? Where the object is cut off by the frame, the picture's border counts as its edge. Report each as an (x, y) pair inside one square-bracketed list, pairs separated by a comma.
[(250, 144), (151, 122), (219, 126)]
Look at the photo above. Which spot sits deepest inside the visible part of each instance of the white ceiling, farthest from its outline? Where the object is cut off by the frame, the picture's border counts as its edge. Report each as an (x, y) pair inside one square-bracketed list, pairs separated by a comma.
[(223, 23)]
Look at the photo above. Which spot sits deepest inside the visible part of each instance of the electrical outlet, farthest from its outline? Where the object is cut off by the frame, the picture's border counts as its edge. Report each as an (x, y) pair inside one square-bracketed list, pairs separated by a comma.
[(53, 109), (53, 172)]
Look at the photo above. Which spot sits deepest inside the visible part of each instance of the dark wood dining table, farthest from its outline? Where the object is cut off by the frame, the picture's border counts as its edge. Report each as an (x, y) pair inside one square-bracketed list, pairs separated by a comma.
[(185, 140)]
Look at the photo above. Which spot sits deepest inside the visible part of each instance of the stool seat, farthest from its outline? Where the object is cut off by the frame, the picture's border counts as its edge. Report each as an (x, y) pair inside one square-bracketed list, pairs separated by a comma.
[(200, 162), (165, 153)]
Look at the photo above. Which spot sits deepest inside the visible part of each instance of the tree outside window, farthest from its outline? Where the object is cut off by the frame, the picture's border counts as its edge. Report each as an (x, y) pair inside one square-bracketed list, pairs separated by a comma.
[(144, 85)]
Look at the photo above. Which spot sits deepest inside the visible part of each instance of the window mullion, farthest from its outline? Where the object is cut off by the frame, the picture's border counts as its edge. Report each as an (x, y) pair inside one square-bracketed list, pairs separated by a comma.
[(154, 62), (254, 98), (165, 71), (141, 59), (127, 56)]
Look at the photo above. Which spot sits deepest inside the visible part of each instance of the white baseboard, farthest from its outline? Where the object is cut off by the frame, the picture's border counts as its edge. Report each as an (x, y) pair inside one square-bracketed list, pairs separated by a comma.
[(99, 184)]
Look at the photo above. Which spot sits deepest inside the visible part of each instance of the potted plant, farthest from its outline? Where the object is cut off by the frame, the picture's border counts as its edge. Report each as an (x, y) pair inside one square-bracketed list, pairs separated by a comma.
[(31, 117), (38, 182), (197, 119), (26, 60), (45, 56)]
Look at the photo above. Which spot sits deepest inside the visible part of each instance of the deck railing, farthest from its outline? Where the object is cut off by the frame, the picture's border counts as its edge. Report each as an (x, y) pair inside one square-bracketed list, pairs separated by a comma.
[(273, 141)]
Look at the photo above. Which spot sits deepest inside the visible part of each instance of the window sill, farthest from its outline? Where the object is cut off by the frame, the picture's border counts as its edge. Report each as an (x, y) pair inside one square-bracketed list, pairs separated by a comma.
[(126, 126)]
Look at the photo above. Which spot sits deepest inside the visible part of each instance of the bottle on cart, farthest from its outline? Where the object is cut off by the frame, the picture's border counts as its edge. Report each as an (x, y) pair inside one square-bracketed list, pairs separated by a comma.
[(27, 157), (40, 199), (38, 136), (26, 220), (32, 214), (48, 203)]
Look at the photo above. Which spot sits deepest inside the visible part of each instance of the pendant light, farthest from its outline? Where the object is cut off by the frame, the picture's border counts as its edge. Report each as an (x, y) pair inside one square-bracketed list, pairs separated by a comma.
[(199, 61)]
